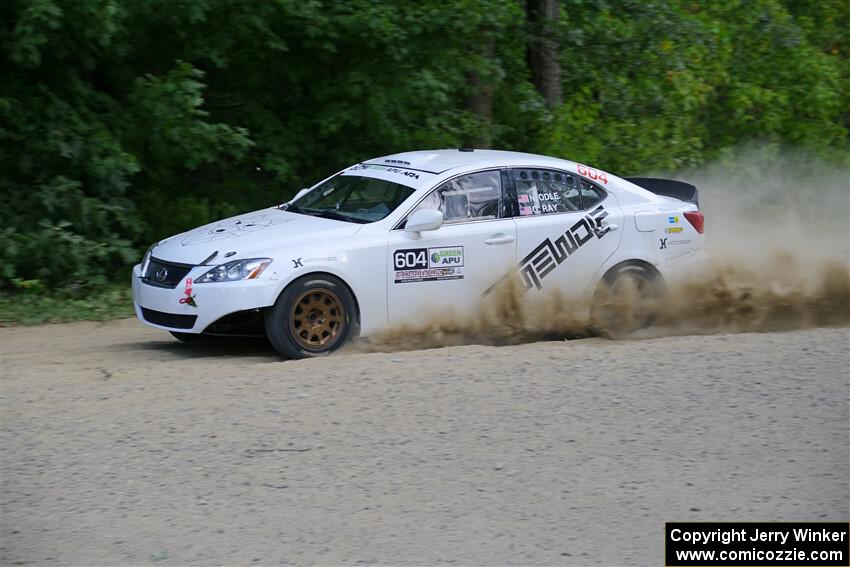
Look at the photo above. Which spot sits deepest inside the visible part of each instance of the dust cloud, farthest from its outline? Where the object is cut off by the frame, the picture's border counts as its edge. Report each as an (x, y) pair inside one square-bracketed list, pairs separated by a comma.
[(778, 258), (778, 240)]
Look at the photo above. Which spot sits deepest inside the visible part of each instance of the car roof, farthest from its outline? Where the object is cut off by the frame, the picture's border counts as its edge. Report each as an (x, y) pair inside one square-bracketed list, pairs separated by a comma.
[(438, 161)]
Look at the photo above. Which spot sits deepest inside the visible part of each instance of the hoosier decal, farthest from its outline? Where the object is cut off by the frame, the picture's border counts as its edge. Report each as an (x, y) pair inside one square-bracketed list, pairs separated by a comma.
[(548, 255)]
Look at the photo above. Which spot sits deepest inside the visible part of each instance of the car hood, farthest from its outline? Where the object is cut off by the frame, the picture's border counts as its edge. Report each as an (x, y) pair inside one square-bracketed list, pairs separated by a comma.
[(250, 235)]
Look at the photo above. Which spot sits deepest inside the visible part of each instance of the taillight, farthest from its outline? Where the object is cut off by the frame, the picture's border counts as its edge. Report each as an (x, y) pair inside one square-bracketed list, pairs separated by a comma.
[(696, 219)]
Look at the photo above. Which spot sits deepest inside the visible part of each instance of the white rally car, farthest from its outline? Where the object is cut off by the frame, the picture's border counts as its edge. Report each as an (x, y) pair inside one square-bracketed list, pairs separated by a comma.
[(391, 240)]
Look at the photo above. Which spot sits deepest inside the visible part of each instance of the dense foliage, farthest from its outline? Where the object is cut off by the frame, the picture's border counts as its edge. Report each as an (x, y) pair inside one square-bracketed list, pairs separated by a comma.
[(122, 122)]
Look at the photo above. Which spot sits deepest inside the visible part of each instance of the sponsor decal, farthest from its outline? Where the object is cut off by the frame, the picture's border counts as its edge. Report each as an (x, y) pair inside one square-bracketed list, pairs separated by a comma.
[(405, 172), (428, 275), (673, 229), (428, 264), (299, 262), (440, 257), (549, 254), (664, 244), (189, 299), (673, 220)]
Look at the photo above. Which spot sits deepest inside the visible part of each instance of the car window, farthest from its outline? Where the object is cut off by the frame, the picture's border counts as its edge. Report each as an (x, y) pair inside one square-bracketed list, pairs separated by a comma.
[(476, 196), (590, 194), (541, 192), (353, 198), (544, 192)]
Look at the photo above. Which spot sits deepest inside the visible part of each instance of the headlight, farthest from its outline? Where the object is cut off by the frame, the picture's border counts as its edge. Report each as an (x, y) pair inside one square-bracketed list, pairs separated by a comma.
[(146, 259), (235, 270)]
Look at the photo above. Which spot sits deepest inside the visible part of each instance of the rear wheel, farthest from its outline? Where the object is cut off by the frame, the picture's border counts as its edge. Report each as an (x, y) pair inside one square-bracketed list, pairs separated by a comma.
[(314, 316), (628, 299)]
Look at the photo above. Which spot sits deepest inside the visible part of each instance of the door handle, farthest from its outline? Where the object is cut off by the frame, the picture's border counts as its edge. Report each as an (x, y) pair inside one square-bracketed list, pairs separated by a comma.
[(500, 238)]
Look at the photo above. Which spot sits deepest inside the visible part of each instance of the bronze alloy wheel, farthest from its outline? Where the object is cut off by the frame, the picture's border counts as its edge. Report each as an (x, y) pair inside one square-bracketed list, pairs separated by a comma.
[(316, 319), (313, 316)]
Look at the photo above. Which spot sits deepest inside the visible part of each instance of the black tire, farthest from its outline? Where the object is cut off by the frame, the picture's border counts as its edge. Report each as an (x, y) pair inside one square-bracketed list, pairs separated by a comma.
[(187, 337), (629, 298), (314, 316)]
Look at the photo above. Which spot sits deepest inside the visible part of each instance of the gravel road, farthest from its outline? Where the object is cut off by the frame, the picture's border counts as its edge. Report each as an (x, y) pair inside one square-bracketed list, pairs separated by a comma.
[(122, 446)]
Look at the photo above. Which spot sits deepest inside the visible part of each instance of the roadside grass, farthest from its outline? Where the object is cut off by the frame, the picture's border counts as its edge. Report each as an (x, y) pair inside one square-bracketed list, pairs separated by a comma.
[(27, 308)]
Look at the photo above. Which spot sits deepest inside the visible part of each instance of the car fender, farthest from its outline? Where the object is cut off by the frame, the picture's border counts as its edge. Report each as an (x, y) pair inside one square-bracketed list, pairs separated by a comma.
[(361, 268), (633, 245)]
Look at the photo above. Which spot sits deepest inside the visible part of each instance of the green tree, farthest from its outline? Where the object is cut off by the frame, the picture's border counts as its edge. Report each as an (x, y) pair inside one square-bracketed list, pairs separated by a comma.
[(122, 122)]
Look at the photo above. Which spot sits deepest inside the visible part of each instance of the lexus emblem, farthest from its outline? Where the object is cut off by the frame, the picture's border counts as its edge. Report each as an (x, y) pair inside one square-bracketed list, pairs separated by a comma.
[(161, 274)]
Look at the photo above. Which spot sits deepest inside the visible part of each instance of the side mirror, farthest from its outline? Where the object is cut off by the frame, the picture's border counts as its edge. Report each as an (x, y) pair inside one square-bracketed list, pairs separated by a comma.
[(423, 219), (300, 194)]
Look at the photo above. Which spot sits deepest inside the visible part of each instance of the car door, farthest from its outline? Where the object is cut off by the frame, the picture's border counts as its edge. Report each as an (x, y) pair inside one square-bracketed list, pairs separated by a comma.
[(444, 272), (565, 229)]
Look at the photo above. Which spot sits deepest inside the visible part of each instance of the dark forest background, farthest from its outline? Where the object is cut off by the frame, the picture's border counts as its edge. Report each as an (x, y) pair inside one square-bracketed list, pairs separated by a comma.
[(126, 121)]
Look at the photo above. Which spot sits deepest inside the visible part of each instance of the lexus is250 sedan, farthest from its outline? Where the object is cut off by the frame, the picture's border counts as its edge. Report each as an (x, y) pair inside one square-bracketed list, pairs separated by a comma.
[(394, 239)]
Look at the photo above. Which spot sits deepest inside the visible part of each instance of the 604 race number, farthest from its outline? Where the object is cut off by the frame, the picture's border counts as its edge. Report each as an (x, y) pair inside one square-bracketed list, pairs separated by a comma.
[(410, 259), (592, 173)]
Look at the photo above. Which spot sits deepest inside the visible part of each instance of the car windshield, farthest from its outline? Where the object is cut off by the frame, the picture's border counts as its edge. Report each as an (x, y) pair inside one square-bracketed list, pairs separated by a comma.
[(352, 198)]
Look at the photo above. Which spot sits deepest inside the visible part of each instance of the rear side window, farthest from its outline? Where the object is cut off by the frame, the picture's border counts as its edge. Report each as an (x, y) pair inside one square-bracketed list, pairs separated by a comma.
[(590, 194), (476, 196), (544, 192)]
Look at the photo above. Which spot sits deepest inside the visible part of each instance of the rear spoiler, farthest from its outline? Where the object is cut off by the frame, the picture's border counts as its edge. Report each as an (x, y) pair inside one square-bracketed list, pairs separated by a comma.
[(668, 188)]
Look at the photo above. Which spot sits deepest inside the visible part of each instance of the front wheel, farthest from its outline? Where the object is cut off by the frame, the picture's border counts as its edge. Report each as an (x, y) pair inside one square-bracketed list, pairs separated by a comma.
[(628, 299), (314, 316)]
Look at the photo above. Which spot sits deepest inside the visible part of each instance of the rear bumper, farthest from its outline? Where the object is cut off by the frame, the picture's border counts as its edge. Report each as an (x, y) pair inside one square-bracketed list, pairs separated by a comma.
[(161, 307), (688, 267)]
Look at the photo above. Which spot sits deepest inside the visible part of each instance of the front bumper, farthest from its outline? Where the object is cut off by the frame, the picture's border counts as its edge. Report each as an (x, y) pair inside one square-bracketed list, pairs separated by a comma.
[(161, 307)]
